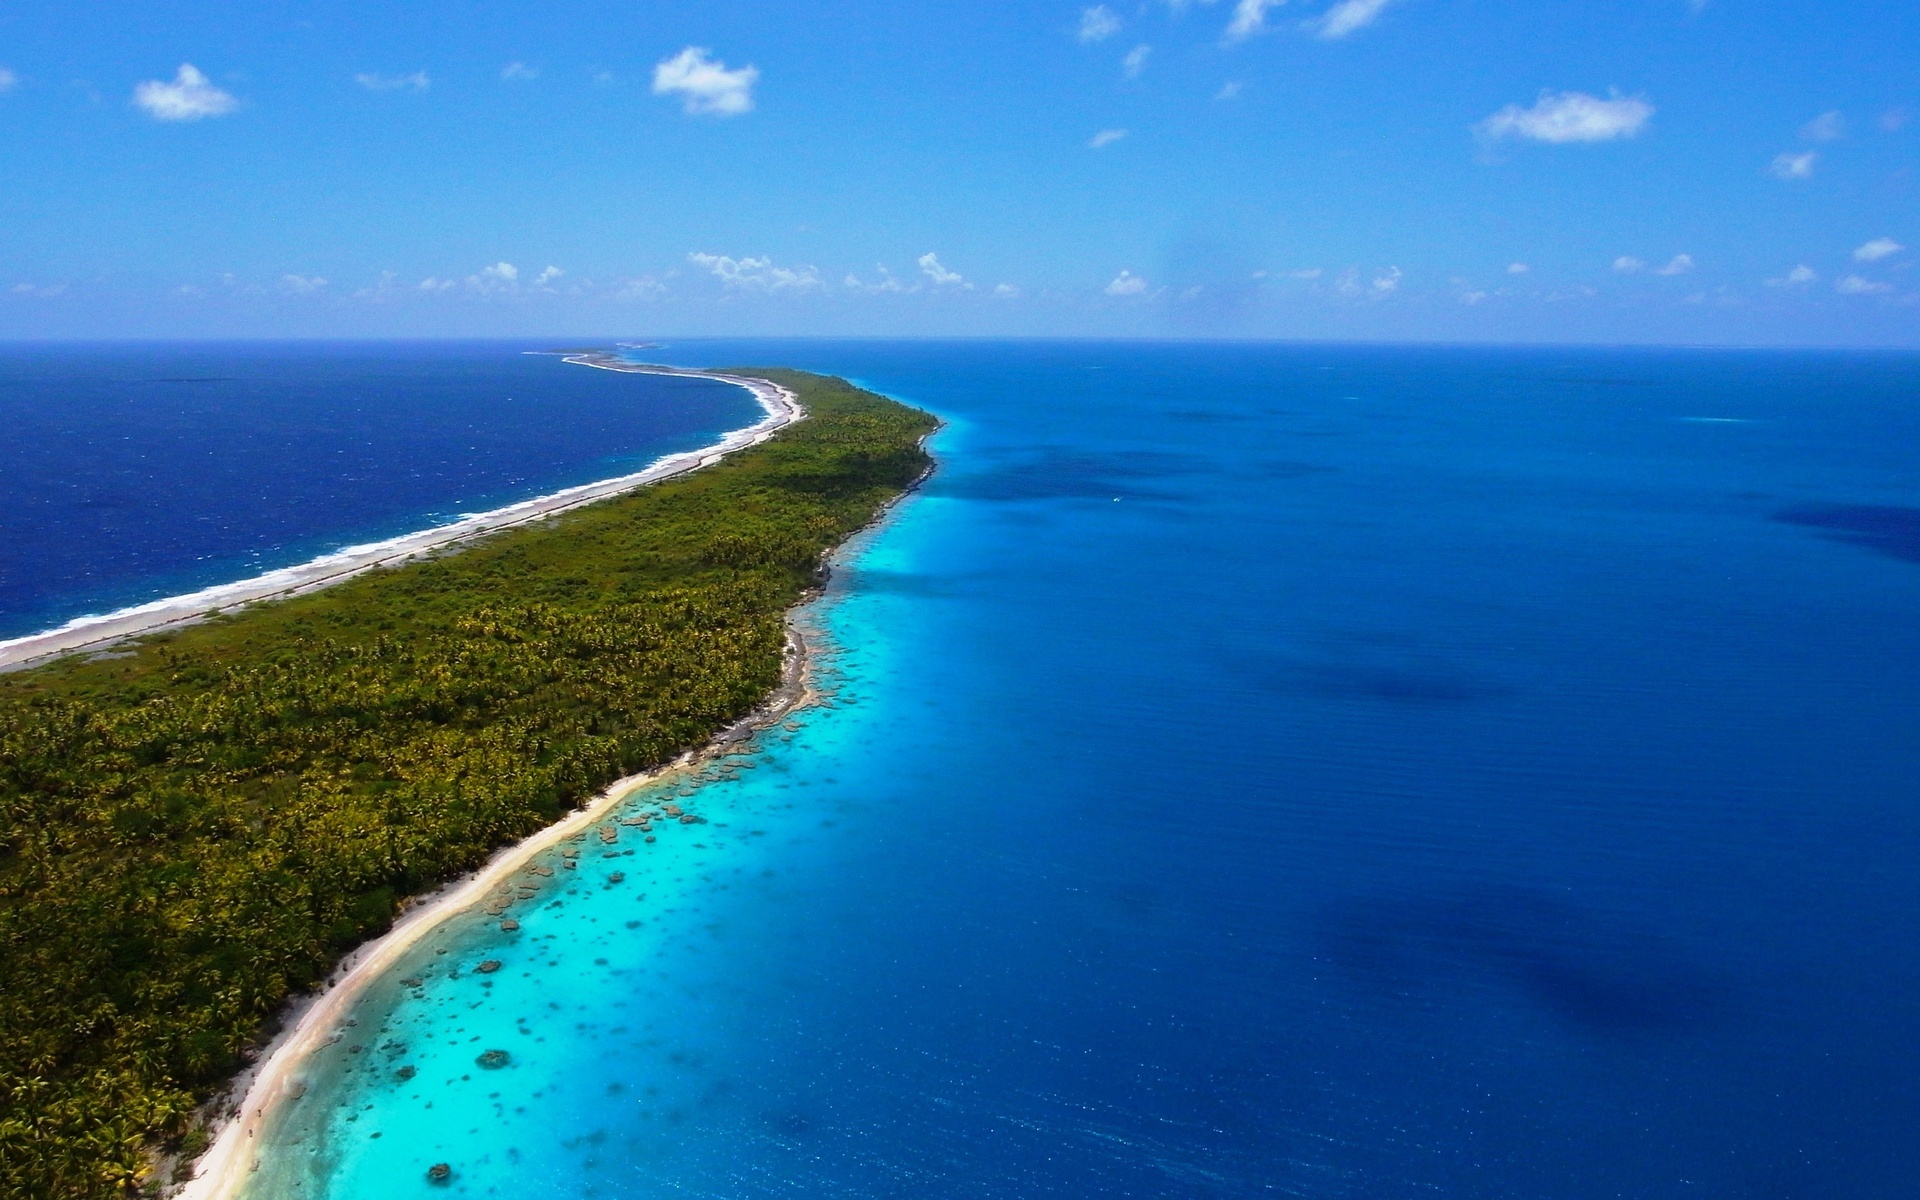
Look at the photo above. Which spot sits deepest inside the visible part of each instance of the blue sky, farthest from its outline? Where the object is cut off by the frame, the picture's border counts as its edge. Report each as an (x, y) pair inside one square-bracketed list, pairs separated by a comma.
[(1493, 170)]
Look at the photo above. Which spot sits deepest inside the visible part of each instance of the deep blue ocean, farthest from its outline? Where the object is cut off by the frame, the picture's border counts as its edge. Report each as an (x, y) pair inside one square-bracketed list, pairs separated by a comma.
[(1252, 770), (136, 471)]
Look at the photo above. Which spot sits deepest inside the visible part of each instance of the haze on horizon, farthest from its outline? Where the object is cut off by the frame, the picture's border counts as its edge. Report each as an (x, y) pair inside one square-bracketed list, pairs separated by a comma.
[(1697, 171)]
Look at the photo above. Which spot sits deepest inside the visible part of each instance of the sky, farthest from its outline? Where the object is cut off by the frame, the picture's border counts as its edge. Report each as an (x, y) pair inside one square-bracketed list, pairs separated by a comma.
[(1728, 172)]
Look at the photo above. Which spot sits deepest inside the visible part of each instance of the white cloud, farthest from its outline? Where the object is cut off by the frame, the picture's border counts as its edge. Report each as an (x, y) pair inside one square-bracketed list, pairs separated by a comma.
[(1679, 264), (1347, 16), (39, 291), (1098, 23), (1877, 249), (500, 272), (1798, 277), (430, 284), (1136, 60), (1305, 273), (301, 285), (1793, 166), (547, 276), (518, 72), (757, 274), (930, 265), (1126, 283), (646, 287), (704, 84), (1894, 120), (1249, 18), (1561, 117), (188, 98), (1006, 291), (1106, 137), (418, 81), (1853, 285), (1627, 264), (1472, 298), (887, 282), (1827, 127), (1387, 281), (1228, 90), (1518, 268), (8, 80)]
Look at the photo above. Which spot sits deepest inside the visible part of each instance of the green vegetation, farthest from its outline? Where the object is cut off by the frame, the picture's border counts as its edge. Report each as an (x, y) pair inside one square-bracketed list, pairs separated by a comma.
[(191, 833)]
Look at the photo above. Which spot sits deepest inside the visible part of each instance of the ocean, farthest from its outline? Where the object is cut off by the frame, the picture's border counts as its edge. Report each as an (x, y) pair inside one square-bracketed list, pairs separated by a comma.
[(135, 471), (1250, 770)]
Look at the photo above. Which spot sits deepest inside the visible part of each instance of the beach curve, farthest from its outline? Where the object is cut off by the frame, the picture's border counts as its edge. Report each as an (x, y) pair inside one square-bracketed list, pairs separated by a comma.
[(96, 633)]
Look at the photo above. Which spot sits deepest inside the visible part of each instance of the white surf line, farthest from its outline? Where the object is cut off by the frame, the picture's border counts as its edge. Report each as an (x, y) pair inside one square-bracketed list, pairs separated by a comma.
[(782, 407)]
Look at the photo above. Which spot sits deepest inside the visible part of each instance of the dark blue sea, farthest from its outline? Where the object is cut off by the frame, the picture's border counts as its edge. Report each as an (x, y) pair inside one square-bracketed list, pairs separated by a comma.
[(1251, 770), (133, 472)]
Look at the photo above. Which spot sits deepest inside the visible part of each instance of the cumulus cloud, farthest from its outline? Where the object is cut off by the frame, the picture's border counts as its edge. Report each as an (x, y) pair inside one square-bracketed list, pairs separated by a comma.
[(500, 272), (1006, 291), (1627, 264), (1249, 18), (190, 97), (1136, 60), (1098, 23), (1827, 127), (1518, 268), (1347, 16), (1679, 264), (757, 274), (1388, 281), (301, 285), (1228, 90), (646, 287), (1106, 137), (1305, 273), (431, 284), (1854, 285), (1126, 283), (1472, 298), (1562, 117), (547, 277), (1789, 165), (704, 84), (1800, 276), (930, 266), (418, 81), (8, 80), (887, 282), (1894, 120), (518, 72), (1877, 249)]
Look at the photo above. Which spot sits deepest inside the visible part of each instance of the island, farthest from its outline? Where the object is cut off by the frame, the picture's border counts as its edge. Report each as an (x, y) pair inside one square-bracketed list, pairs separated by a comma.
[(197, 824)]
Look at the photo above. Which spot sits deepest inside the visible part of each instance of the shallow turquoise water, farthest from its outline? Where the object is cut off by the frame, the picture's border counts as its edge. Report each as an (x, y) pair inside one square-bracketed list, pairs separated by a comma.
[(1312, 771)]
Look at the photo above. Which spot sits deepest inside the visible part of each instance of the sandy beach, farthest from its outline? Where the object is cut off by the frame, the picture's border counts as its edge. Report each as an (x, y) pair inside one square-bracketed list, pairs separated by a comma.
[(100, 632), (255, 1097), (258, 1095)]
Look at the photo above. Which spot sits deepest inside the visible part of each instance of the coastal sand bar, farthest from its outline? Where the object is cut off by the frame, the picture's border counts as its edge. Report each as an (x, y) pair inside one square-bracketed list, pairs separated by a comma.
[(98, 633)]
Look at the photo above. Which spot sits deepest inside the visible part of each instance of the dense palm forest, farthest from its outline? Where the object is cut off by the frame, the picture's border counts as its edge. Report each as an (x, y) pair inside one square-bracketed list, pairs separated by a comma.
[(193, 832)]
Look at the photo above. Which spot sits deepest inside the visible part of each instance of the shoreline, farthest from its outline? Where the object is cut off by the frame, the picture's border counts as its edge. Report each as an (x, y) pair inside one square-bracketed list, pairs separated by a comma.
[(256, 1096), (96, 633), (246, 1108)]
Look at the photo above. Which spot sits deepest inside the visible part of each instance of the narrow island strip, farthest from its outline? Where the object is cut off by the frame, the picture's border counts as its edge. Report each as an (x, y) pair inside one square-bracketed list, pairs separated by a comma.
[(95, 633), (196, 830)]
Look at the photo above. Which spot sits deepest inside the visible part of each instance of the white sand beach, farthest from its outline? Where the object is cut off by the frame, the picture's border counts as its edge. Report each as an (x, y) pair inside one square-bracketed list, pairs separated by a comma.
[(100, 632), (256, 1096)]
